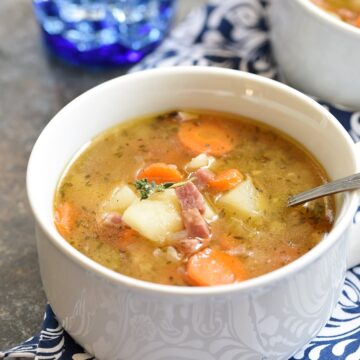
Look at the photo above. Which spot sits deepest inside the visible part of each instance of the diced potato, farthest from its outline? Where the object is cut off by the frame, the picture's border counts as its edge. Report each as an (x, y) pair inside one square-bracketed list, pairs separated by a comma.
[(172, 255), (186, 116), (209, 214), (202, 160), (154, 219), (244, 199), (121, 198), (167, 196)]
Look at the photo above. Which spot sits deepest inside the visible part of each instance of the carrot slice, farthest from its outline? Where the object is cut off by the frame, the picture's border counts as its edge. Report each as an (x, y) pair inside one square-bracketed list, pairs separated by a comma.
[(205, 137), (226, 180), (211, 267), (357, 22), (160, 172), (65, 218)]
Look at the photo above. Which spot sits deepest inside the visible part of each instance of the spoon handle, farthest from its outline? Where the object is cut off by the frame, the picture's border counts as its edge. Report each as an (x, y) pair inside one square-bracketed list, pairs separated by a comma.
[(348, 183)]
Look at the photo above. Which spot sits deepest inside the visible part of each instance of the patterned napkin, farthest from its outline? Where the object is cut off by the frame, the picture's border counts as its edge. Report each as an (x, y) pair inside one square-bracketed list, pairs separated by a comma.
[(231, 34)]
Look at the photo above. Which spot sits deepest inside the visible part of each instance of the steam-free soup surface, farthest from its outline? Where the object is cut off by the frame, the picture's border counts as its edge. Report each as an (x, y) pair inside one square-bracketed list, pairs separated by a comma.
[(345, 10), (192, 198)]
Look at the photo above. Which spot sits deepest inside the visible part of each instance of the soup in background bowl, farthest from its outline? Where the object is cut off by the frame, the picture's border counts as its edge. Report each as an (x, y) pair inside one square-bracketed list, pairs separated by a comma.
[(192, 198), (120, 317), (345, 10), (316, 53)]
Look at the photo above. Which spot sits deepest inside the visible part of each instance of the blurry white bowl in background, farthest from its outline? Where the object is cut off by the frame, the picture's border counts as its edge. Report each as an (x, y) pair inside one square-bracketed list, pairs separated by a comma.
[(316, 52)]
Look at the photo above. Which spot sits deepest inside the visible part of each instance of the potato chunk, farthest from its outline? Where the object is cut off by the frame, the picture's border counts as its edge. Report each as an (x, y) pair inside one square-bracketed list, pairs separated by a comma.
[(209, 214), (153, 219), (244, 199), (202, 160), (168, 196), (120, 199)]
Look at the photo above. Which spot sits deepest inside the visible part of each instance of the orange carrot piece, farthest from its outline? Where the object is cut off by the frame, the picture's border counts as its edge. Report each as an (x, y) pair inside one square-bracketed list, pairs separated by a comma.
[(357, 22), (205, 137), (160, 173), (226, 180), (65, 218), (211, 267)]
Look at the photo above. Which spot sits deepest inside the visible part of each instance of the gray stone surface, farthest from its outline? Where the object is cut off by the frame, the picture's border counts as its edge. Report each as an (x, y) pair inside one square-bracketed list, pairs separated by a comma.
[(33, 87)]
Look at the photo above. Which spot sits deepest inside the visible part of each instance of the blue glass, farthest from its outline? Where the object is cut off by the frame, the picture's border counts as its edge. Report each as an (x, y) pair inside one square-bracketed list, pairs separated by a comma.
[(103, 32)]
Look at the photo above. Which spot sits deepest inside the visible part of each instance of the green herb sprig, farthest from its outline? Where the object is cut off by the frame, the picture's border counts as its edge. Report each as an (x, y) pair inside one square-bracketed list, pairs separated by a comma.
[(147, 188)]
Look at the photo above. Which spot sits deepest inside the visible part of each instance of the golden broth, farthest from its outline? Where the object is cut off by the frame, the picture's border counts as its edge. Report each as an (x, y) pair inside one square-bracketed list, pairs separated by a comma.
[(346, 10), (277, 166)]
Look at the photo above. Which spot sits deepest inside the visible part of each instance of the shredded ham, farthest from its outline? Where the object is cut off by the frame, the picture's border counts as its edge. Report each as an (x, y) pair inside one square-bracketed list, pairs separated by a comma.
[(203, 177), (190, 197), (189, 246), (112, 219), (195, 224), (193, 206)]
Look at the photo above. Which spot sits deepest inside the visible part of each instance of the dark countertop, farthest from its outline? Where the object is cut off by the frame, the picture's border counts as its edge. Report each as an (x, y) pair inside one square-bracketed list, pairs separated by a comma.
[(33, 87)]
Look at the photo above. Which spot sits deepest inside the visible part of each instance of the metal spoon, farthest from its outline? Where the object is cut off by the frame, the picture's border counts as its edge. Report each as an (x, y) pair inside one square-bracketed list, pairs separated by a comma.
[(345, 184)]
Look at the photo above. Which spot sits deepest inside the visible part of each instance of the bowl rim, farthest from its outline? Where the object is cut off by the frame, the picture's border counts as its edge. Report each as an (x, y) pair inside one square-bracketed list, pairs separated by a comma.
[(325, 17), (118, 279)]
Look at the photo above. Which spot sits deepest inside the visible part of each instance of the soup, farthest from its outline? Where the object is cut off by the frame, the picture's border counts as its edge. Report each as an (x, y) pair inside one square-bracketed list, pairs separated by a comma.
[(346, 10), (192, 199)]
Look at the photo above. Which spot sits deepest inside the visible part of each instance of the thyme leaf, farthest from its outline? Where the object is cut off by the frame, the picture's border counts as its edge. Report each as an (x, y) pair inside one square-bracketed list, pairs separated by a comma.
[(147, 188)]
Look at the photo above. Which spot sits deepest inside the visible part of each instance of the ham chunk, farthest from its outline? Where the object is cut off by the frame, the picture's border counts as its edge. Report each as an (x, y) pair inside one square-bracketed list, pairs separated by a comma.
[(112, 219), (203, 177), (195, 224), (190, 197), (190, 246), (193, 208)]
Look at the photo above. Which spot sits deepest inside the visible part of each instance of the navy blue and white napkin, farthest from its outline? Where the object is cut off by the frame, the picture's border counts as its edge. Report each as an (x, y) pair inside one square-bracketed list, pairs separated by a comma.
[(230, 34)]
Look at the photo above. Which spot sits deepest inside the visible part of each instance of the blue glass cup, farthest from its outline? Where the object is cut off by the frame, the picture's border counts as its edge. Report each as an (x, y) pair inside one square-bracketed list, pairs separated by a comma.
[(103, 32)]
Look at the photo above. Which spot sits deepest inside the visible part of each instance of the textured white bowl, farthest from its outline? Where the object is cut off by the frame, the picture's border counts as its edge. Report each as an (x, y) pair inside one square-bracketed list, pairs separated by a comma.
[(119, 318), (317, 53)]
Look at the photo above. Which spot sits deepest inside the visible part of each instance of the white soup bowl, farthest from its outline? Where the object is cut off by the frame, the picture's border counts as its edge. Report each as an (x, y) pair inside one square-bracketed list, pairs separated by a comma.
[(120, 318), (316, 52)]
